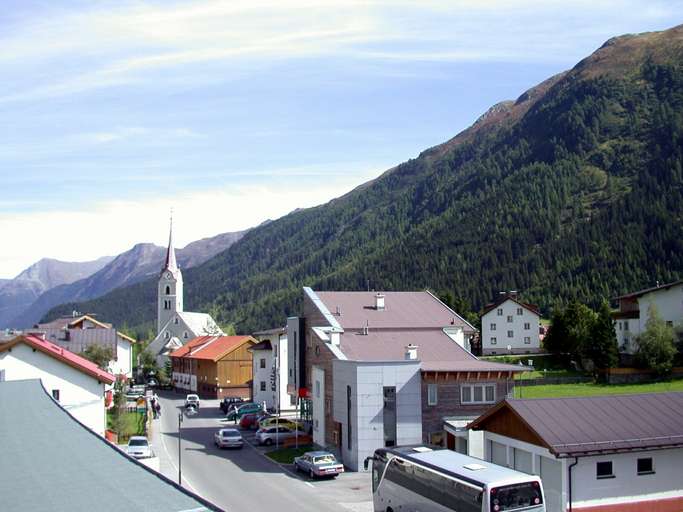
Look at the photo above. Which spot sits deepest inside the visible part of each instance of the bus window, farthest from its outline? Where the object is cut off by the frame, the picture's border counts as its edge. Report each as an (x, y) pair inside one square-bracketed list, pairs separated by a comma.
[(378, 463), (512, 497)]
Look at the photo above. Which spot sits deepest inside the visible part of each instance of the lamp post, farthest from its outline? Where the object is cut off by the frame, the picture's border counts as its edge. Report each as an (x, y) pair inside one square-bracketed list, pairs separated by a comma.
[(180, 439)]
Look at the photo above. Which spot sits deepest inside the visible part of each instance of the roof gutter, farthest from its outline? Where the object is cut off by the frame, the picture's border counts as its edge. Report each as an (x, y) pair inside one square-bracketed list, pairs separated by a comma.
[(571, 466)]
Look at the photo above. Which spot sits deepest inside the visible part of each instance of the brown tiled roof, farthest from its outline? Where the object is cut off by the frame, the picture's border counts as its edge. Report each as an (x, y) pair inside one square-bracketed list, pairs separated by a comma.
[(531, 307), (640, 293), (402, 310), (582, 426), (436, 350)]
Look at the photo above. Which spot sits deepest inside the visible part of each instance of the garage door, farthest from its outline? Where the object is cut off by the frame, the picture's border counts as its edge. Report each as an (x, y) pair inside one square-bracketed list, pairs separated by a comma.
[(498, 453), (522, 460), (551, 475)]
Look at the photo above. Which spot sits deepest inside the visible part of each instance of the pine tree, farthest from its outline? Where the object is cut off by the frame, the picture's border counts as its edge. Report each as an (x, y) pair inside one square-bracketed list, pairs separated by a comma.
[(603, 349)]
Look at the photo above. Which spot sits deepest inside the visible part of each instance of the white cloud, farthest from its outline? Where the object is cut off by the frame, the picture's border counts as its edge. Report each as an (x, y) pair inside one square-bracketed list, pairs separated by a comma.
[(114, 226)]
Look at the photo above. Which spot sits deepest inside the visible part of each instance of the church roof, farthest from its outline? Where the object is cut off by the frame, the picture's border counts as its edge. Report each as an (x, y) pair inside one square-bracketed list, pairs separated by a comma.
[(199, 323), (171, 263)]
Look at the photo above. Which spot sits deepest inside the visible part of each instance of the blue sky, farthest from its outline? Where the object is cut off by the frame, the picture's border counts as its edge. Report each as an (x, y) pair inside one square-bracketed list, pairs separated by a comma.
[(235, 111)]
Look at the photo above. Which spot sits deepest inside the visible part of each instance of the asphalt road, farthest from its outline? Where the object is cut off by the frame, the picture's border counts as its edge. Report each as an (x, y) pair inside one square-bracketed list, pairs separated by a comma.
[(245, 480)]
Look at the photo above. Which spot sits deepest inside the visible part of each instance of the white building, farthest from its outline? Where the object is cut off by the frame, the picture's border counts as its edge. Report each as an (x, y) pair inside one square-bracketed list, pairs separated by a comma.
[(269, 374), (509, 326), (621, 452), (77, 333), (634, 311), (175, 327), (76, 383)]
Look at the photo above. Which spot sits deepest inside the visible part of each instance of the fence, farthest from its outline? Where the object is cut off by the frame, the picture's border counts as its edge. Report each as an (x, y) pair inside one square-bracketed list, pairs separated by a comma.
[(542, 381), (636, 375)]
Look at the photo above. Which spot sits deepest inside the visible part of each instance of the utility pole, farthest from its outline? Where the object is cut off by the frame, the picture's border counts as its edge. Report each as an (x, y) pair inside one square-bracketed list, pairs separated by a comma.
[(180, 438)]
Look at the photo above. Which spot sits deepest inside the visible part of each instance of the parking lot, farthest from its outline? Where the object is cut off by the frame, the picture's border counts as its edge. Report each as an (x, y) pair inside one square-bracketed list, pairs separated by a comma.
[(234, 478)]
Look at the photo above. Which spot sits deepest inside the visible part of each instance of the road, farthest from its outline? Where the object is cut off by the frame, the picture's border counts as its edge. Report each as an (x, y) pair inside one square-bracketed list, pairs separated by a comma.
[(245, 480)]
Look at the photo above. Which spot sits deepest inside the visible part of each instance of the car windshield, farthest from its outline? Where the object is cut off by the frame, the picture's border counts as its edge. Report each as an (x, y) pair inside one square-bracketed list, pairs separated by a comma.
[(512, 497), (325, 459), (137, 442)]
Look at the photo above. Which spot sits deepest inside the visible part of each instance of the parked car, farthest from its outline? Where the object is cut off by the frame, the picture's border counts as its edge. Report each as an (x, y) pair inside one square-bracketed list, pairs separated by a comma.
[(272, 435), (228, 438), (192, 400), (237, 412), (138, 447), (251, 420), (272, 421), (230, 401), (318, 463)]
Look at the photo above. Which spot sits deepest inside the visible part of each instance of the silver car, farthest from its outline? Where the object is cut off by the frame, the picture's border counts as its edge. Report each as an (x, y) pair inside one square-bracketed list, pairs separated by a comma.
[(270, 435), (138, 447), (318, 463), (228, 438)]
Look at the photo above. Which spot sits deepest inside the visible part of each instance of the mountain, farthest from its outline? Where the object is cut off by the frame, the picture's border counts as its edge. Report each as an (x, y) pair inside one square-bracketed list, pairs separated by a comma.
[(18, 293), (572, 191), (139, 263)]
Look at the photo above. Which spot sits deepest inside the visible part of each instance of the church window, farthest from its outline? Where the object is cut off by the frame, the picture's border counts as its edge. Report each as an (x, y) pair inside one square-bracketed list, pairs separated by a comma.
[(175, 320), (167, 335), (185, 335), (168, 290)]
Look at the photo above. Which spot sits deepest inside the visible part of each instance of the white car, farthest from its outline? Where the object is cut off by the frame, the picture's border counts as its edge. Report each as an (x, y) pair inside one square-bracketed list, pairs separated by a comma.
[(138, 447), (192, 400), (272, 435), (228, 438)]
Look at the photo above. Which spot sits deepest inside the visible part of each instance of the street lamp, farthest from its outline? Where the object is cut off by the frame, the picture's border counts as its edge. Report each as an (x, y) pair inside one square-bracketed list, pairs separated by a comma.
[(180, 438)]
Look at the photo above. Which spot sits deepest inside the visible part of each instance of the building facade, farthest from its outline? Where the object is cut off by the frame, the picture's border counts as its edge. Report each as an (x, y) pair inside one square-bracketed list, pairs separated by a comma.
[(600, 461), (270, 370), (73, 381), (214, 366), (509, 326), (634, 311), (370, 367)]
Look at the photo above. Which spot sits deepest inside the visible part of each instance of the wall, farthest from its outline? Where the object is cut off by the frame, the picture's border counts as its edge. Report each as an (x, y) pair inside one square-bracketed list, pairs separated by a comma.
[(79, 393), (509, 308), (669, 303), (124, 354), (318, 399), (263, 375), (627, 486), (367, 380)]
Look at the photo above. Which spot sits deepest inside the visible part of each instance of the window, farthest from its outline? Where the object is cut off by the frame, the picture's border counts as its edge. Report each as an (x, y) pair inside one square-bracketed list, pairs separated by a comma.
[(328, 406), (262, 362), (511, 334), (167, 335), (185, 335), (626, 325), (317, 425), (604, 470), (478, 393), (520, 311), (168, 290), (620, 326), (493, 340), (55, 394), (349, 431), (527, 340), (263, 385), (432, 394), (317, 389), (493, 327), (500, 312), (509, 319), (527, 325), (645, 466)]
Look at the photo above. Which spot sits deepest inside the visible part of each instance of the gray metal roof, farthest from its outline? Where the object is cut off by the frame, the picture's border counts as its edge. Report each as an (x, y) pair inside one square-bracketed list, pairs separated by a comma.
[(51, 462)]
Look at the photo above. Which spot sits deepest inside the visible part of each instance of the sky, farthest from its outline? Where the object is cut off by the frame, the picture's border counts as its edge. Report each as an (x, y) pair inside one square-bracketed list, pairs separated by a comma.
[(234, 112)]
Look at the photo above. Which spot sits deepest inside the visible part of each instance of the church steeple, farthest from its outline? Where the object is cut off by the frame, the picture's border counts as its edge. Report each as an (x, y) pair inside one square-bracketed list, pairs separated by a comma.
[(171, 263)]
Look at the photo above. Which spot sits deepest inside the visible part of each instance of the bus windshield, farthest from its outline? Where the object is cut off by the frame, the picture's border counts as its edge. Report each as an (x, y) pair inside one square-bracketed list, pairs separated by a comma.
[(513, 497)]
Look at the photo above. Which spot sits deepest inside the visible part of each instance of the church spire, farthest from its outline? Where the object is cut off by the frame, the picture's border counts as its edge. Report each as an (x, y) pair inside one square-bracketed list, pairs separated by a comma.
[(170, 253)]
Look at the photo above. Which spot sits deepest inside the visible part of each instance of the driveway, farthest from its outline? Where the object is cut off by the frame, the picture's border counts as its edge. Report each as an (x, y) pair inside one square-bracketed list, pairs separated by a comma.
[(245, 480)]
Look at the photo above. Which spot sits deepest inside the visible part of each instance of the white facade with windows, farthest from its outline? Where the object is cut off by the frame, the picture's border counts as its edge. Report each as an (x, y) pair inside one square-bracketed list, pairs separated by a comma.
[(634, 312), (510, 323), (77, 392), (269, 373)]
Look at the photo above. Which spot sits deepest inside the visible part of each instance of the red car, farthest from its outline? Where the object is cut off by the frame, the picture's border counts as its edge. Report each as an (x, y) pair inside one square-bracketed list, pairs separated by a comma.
[(250, 420)]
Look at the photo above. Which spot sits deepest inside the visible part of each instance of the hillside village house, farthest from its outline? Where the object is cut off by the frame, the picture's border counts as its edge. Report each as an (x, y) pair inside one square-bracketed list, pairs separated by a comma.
[(78, 332), (73, 381), (595, 454), (175, 327), (633, 313), (214, 366), (269, 372), (510, 326), (383, 369)]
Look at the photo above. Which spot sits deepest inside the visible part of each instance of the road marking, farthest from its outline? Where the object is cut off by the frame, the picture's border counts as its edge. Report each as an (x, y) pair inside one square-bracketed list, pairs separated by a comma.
[(310, 484), (170, 460)]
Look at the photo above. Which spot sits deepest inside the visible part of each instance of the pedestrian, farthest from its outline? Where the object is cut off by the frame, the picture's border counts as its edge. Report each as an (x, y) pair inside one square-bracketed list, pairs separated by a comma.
[(158, 409), (153, 405)]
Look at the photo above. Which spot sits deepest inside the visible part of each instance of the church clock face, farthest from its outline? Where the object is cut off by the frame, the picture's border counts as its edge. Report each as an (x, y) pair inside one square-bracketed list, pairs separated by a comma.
[(168, 276)]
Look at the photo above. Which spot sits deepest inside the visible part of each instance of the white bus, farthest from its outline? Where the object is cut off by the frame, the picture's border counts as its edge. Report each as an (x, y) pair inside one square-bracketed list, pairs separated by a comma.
[(434, 480)]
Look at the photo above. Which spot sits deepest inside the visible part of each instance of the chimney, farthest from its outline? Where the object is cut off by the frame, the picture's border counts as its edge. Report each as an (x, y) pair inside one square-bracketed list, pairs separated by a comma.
[(335, 337), (411, 352), (379, 301), (513, 294)]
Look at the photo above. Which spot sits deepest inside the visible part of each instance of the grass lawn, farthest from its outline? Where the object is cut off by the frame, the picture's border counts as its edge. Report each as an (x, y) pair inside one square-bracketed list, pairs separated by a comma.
[(134, 425), (286, 455), (548, 373), (590, 389)]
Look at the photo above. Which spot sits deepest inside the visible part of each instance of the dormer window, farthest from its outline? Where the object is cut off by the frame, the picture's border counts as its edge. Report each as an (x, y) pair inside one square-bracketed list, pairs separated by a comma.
[(175, 320)]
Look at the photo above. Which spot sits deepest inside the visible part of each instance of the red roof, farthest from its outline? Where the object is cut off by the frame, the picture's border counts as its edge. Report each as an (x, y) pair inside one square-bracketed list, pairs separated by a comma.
[(211, 348), (63, 355)]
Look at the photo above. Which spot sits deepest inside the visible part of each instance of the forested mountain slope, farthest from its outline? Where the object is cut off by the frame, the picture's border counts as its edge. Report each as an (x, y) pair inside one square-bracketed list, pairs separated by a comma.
[(574, 190)]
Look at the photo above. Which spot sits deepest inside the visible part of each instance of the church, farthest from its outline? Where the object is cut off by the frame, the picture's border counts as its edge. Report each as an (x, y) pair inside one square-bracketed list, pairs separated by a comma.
[(175, 327)]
